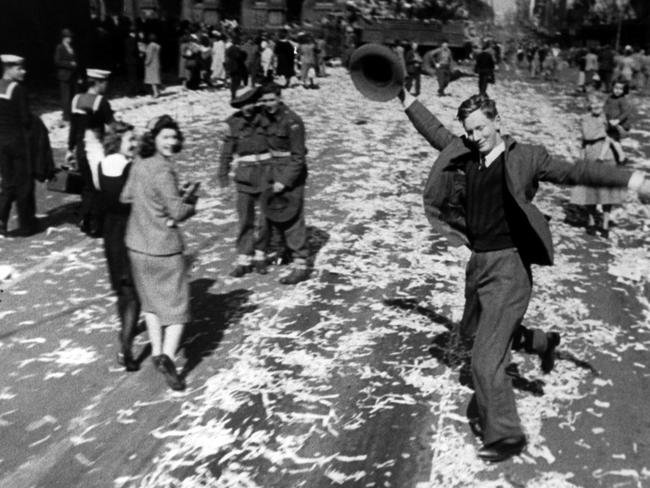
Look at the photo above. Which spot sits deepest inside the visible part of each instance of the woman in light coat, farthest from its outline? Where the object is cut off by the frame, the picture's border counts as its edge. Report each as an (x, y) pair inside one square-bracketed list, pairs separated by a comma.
[(152, 65)]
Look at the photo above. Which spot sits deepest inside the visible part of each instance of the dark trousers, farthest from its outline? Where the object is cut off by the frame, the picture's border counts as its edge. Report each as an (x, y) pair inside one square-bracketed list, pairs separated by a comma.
[(91, 214), (247, 240), (605, 80), (133, 79), (236, 80), (483, 80), (497, 292), (443, 73), (413, 78), (66, 92), (17, 185), (119, 270)]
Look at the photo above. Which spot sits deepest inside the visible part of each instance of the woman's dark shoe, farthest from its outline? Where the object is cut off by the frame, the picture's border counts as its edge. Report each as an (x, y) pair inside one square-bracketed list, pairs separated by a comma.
[(240, 270), (296, 276), (168, 369), (260, 266), (548, 356)]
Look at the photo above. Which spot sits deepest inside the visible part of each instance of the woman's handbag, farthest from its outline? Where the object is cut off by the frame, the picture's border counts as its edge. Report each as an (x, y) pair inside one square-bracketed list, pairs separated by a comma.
[(66, 180)]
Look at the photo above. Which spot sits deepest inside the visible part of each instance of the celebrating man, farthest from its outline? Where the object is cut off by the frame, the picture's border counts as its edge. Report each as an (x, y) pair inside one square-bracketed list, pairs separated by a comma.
[(479, 192)]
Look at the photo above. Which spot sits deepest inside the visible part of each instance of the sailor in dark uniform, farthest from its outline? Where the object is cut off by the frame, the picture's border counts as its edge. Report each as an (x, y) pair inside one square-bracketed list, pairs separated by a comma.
[(91, 113), (15, 169)]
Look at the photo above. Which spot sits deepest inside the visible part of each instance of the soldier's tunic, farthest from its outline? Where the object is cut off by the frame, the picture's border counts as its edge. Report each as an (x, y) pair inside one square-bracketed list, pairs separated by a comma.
[(246, 148), (91, 113), (285, 133), (15, 170)]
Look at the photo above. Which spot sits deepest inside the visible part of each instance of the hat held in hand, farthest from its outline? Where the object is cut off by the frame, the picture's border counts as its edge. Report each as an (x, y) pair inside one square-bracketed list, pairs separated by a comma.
[(280, 207)]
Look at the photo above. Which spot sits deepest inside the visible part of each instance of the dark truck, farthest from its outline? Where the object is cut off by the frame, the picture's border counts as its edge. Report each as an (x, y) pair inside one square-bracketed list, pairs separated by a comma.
[(460, 34)]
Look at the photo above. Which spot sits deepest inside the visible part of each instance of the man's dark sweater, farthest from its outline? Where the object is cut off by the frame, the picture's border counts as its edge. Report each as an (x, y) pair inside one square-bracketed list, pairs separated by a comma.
[(487, 223)]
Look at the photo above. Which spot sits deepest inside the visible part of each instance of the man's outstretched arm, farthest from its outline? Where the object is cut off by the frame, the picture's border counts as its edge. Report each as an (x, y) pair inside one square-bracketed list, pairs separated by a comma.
[(425, 122)]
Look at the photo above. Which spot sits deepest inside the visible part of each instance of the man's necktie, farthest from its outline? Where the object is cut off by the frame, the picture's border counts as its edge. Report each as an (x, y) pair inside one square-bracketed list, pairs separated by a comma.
[(481, 162)]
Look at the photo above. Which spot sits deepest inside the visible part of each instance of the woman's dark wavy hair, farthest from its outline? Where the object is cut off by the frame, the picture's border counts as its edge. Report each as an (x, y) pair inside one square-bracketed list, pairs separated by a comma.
[(478, 102), (148, 141), (113, 138)]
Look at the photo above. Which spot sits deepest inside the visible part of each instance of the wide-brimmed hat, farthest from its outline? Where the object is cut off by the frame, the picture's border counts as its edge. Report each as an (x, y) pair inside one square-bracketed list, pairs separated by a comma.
[(251, 95), (376, 72), (9, 59), (97, 74), (280, 207)]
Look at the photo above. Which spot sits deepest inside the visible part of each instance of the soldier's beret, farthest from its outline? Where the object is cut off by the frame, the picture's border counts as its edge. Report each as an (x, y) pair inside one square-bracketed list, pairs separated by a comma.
[(249, 96)]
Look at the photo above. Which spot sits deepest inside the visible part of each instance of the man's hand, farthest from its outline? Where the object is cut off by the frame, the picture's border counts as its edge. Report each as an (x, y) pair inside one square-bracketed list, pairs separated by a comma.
[(613, 122), (278, 187), (644, 191)]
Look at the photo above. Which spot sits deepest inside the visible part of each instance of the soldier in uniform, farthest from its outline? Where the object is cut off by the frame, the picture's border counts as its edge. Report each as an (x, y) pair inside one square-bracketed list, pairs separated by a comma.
[(287, 173), (246, 148), (15, 169), (91, 113)]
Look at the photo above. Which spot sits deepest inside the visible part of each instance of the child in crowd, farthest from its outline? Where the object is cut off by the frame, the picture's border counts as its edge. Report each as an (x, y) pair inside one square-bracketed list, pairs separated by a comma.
[(597, 148), (618, 112)]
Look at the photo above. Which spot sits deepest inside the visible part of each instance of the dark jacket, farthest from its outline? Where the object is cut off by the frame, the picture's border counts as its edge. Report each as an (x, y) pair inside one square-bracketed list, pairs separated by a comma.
[(63, 60), (484, 63), (235, 60), (285, 133), (245, 138), (42, 161), (525, 166)]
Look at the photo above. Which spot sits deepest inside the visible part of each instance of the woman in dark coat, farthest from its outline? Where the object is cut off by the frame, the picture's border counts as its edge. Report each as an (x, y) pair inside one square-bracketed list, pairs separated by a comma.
[(113, 171)]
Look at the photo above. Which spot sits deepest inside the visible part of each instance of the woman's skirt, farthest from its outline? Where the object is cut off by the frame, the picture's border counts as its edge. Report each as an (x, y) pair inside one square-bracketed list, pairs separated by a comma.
[(163, 286)]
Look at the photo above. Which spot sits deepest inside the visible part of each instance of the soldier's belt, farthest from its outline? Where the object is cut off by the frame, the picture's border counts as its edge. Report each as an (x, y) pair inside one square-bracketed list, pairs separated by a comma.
[(252, 158), (280, 154)]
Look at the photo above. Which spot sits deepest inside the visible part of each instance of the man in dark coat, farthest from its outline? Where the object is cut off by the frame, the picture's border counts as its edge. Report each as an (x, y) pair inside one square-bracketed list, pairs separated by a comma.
[(132, 60), (17, 182), (235, 66), (65, 61), (245, 147), (285, 134), (479, 192), (484, 67), (285, 54)]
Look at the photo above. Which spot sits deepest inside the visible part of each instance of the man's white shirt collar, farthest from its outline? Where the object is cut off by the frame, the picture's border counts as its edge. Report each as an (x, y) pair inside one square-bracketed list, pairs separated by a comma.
[(492, 156)]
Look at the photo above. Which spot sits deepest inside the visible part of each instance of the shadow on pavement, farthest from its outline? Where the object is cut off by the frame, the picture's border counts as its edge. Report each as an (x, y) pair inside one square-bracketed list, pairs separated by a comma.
[(212, 314)]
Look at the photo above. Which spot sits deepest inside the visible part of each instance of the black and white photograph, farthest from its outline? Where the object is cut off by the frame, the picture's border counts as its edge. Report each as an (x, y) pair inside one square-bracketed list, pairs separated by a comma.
[(323, 244)]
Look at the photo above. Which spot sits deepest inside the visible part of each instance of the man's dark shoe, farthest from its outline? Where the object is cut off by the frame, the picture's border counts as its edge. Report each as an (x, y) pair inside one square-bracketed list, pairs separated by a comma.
[(548, 356), (3, 229), (168, 369), (502, 449), (604, 233), (240, 270), (260, 266), (296, 276), (591, 230)]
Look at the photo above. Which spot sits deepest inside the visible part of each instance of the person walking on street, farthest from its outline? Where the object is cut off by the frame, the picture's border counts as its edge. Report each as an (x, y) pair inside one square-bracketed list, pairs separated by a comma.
[(268, 61), (119, 146), (217, 68), (285, 56), (484, 67), (236, 67), (16, 179), (91, 113), (285, 134), (253, 64), (132, 62), (246, 148), (606, 65), (152, 65), (620, 115), (591, 68), (479, 193), (443, 60), (65, 61), (307, 56), (155, 243), (413, 68)]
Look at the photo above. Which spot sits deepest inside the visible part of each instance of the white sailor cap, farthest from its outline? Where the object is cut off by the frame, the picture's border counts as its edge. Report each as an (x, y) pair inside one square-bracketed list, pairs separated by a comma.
[(11, 59), (97, 74)]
